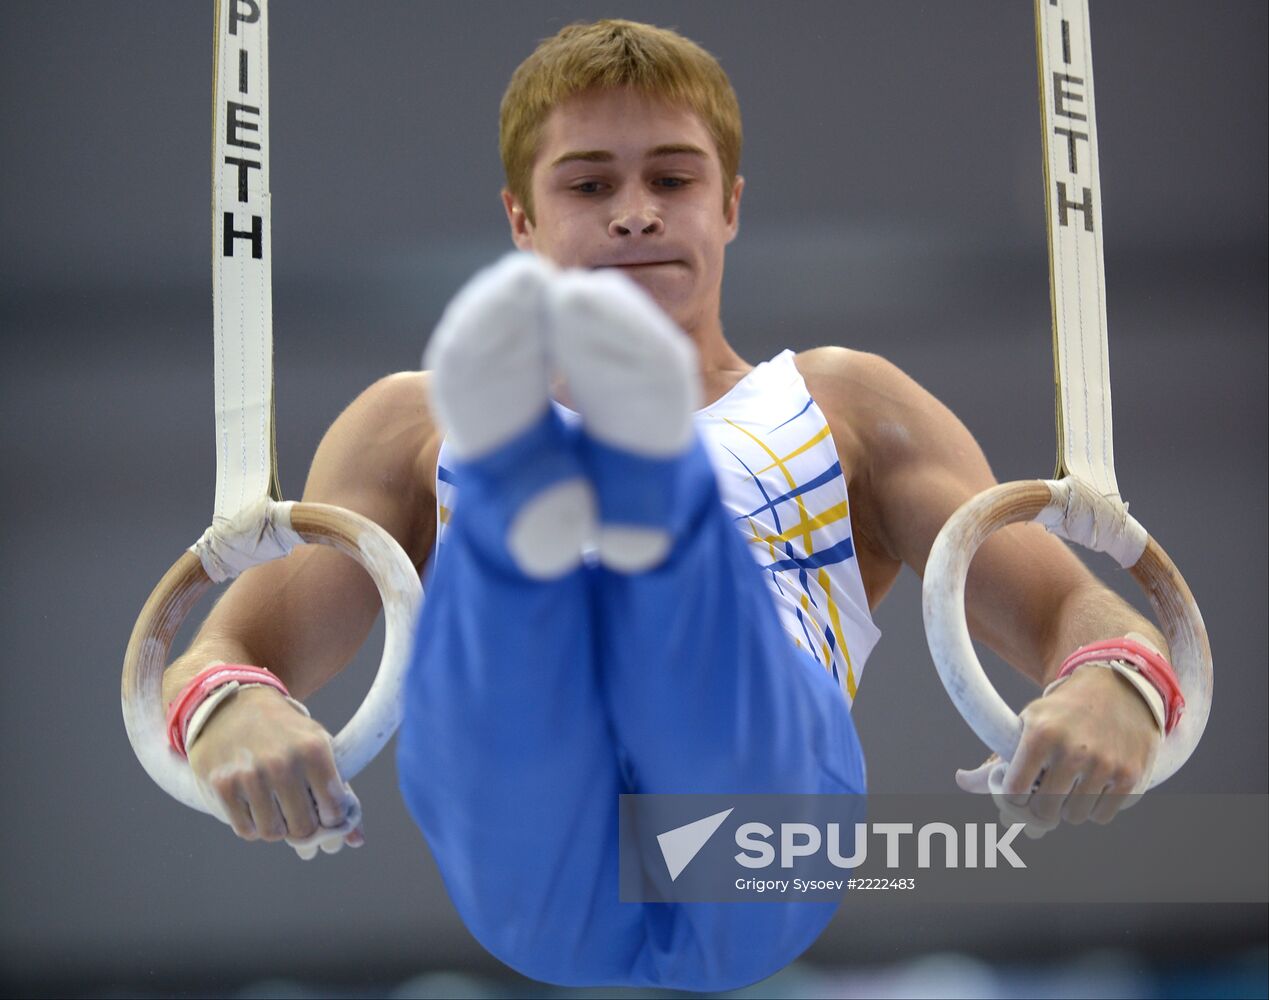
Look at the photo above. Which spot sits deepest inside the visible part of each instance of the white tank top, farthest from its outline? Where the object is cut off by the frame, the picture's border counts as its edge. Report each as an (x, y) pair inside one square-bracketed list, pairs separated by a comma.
[(781, 480)]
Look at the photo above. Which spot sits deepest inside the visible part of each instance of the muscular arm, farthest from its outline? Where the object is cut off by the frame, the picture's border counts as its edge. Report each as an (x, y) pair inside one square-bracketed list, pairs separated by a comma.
[(271, 769), (305, 616), (1027, 596)]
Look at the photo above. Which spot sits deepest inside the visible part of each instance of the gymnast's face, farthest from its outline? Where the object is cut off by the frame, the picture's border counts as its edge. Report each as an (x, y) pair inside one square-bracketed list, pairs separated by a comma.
[(626, 181)]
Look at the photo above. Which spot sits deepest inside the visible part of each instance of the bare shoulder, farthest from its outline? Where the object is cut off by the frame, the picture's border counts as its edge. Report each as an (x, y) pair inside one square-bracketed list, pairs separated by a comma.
[(853, 390), (866, 399), (905, 456), (386, 427), (379, 458), (890, 416), (401, 397), (864, 384)]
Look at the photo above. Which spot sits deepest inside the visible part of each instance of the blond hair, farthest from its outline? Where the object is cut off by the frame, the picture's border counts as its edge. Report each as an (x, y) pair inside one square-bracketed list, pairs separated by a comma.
[(605, 55)]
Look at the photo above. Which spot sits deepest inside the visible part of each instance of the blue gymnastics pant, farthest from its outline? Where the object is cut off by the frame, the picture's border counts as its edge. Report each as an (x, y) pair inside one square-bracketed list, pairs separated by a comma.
[(531, 706)]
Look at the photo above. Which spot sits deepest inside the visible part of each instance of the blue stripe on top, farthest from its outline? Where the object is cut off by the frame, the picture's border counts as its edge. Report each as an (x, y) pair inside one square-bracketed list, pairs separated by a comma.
[(828, 475), (770, 504), (840, 552), (809, 401)]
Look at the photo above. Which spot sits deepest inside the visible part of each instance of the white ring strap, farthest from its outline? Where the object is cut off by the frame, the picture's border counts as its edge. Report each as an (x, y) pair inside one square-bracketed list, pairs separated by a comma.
[(250, 525), (242, 283), (1083, 504), (1077, 273)]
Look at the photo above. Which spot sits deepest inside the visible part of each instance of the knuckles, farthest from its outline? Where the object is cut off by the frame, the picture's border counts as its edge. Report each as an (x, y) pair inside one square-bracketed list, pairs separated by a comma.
[(1043, 733), (303, 828), (1106, 761), (313, 751), (273, 771), (274, 832), (226, 787), (252, 776)]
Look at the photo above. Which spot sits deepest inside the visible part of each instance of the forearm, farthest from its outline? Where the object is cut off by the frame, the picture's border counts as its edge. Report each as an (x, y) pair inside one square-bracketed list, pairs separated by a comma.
[(1034, 603), (204, 650), (270, 767), (302, 617), (1088, 614)]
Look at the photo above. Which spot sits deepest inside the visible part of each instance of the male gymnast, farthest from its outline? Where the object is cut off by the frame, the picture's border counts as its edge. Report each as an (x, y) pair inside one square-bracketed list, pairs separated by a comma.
[(655, 561)]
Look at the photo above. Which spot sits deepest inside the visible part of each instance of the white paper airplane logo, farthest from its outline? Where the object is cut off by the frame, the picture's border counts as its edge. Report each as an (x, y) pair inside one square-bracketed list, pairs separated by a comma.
[(680, 845)]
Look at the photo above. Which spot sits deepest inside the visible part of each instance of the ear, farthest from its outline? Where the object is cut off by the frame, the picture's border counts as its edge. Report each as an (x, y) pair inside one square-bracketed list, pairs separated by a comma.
[(732, 214), (518, 219)]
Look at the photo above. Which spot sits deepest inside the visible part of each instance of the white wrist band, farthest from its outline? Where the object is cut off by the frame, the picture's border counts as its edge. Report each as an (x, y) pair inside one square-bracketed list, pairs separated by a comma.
[(214, 700), (1128, 672)]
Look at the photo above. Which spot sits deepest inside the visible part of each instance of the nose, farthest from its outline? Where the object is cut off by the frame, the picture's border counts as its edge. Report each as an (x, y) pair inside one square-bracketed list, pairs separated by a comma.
[(636, 217)]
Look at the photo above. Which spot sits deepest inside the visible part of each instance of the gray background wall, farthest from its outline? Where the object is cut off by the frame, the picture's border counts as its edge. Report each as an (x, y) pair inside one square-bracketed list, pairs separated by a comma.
[(894, 204)]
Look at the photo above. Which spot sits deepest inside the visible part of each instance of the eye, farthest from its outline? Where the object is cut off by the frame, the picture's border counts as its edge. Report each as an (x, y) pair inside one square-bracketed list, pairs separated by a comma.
[(587, 187), (672, 182)]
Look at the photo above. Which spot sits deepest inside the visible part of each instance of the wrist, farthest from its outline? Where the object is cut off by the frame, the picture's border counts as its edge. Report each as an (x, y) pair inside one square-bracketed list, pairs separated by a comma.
[(1141, 665), (206, 691), (199, 657)]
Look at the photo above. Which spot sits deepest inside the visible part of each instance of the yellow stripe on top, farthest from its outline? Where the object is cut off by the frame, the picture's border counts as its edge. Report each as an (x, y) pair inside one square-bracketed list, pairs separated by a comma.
[(835, 513), (834, 617), (756, 537), (804, 527), (800, 449), (780, 475)]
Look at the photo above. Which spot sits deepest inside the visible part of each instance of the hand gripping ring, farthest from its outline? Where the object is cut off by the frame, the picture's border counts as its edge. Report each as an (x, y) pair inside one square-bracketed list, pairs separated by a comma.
[(371, 726), (1073, 510)]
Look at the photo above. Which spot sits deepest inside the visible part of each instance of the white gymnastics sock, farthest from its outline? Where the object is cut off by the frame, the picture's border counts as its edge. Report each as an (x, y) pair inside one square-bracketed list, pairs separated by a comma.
[(630, 370), (491, 383), (632, 375), (489, 356)]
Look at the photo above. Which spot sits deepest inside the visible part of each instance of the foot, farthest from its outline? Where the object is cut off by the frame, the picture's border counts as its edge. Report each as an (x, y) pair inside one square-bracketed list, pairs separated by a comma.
[(489, 357), (631, 374), (490, 387), (630, 370)]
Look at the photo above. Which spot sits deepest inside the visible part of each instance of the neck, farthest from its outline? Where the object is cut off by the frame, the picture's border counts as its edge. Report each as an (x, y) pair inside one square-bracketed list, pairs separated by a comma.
[(717, 355), (712, 347)]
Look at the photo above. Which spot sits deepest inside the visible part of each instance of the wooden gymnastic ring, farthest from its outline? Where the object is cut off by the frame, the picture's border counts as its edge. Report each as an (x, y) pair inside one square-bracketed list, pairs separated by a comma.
[(371, 726), (947, 632)]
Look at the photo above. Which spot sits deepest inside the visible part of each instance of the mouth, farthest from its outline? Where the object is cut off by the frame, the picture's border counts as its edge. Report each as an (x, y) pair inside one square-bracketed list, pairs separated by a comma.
[(639, 265)]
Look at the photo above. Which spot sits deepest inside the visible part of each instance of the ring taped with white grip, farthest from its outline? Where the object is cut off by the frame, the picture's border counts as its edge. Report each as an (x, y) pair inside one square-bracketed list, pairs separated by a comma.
[(185, 583), (1074, 511)]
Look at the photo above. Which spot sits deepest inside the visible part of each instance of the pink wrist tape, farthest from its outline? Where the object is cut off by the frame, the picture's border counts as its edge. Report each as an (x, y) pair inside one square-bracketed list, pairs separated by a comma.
[(204, 683), (1149, 664)]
